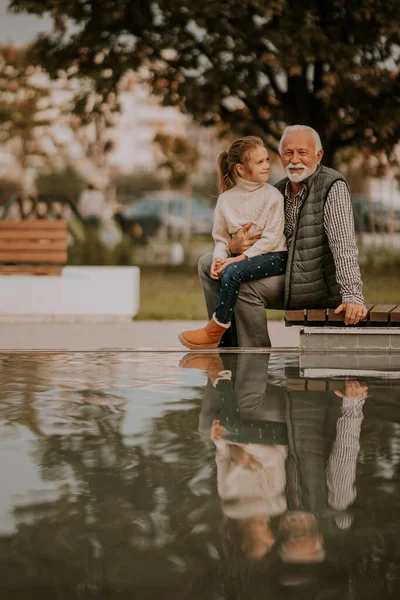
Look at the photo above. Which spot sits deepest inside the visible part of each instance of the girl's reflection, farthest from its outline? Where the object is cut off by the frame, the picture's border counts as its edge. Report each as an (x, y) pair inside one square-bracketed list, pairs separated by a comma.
[(251, 448), (251, 484)]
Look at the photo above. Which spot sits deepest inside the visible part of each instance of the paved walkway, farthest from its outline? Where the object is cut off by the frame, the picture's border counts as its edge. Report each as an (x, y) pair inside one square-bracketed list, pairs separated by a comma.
[(135, 335)]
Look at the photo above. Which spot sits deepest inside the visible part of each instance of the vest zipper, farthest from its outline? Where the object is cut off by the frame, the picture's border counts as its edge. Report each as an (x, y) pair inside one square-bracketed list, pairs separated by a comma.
[(293, 245)]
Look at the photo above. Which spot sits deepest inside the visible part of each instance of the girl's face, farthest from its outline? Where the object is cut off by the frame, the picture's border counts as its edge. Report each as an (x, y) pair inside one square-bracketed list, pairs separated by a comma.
[(257, 538), (257, 167)]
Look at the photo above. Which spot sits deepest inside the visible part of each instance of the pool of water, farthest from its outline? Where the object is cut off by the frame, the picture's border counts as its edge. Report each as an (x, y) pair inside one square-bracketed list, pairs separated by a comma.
[(219, 476)]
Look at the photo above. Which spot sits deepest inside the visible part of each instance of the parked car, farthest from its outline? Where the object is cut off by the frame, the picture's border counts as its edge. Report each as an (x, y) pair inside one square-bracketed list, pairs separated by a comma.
[(166, 208), (364, 221)]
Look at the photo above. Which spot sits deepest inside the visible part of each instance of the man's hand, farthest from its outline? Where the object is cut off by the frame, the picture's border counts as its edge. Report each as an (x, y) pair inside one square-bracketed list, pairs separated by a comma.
[(353, 312), (223, 264), (214, 268), (242, 240), (353, 389)]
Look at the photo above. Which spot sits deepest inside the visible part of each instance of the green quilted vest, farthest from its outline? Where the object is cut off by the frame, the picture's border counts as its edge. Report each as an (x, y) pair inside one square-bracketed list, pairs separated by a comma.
[(311, 275)]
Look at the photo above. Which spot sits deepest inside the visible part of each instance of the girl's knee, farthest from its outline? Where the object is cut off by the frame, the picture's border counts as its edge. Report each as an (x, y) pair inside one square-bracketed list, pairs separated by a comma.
[(230, 273)]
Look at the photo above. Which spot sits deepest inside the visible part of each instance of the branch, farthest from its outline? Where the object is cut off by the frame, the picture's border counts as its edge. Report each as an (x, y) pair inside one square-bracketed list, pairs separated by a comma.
[(318, 73), (343, 143), (274, 84), (264, 125)]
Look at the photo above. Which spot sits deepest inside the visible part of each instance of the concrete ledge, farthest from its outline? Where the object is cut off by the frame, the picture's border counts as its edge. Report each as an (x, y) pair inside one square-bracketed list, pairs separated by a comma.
[(63, 319), (354, 339), (316, 365), (80, 293), (88, 336)]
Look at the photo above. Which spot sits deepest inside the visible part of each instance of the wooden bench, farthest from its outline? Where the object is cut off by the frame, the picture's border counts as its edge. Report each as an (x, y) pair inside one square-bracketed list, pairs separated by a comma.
[(33, 247), (379, 315)]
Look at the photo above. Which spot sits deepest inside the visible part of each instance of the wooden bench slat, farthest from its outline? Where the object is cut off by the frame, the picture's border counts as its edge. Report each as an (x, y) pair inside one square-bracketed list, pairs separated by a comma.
[(33, 247), (369, 307), (395, 315), (296, 384), (380, 313), (316, 385), (316, 314), (28, 245), (33, 257), (294, 315), (332, 316), (40, 224), (340, 317), (22, 270), (35, 234)]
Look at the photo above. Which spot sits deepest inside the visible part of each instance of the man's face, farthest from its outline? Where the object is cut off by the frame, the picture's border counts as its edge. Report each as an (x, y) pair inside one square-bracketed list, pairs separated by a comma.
[(299, 157)]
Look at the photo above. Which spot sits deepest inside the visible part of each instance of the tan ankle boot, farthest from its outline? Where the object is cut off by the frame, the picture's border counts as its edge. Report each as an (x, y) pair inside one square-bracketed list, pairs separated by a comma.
[(207, 337), (205, 361)]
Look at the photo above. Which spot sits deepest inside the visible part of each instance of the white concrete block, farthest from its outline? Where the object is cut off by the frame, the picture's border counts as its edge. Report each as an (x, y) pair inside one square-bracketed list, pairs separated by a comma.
[(79, 292), (354, 339)]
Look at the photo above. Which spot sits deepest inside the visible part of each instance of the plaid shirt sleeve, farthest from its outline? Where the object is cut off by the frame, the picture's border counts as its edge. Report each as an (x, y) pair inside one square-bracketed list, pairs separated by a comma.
[(339, 227)]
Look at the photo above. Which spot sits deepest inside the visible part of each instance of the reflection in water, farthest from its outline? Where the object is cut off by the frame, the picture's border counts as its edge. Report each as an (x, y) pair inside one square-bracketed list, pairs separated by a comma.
[(275, 455), (128, 476), (251, 448)]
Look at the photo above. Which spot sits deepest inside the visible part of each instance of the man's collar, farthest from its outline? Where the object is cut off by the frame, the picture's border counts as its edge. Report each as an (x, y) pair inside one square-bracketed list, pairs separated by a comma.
[(288, 189)]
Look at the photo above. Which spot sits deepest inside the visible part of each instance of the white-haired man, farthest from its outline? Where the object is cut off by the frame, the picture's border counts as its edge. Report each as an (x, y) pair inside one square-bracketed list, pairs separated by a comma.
[(322, 270)]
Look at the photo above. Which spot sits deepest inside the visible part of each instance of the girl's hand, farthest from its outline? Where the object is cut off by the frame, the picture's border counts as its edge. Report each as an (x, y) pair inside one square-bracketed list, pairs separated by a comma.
[(222, 266), (217, 431), (214, 266)]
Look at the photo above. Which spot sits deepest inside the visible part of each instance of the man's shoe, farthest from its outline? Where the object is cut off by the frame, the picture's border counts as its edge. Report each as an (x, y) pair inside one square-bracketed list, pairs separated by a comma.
[(206, 338)]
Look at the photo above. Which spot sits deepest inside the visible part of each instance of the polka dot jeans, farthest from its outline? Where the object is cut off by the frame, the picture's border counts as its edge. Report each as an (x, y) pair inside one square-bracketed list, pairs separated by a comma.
[(250, 269)]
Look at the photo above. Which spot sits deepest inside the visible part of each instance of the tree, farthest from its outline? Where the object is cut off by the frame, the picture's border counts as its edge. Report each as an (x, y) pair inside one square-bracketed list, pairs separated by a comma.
[(179, 158), (248, 66), (42, 120), (23, 115)]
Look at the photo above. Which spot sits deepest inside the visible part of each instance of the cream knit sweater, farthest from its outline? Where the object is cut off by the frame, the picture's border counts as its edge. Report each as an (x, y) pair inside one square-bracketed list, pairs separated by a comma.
[(260, 203)]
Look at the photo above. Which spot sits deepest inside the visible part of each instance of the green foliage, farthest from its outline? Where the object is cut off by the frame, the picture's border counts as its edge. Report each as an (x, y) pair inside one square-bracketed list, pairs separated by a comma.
[(207, 188), (23, 103), (90, 251), (248, 66), (130, 187), (7, 190), (30, 105), (63, 183), (179, 158)]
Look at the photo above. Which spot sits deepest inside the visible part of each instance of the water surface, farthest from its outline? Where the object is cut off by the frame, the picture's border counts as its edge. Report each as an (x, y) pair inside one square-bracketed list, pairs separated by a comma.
[(214, 476)]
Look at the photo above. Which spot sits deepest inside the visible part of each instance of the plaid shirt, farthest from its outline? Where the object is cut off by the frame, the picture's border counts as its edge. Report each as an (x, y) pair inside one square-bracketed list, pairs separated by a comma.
[(339, 229)]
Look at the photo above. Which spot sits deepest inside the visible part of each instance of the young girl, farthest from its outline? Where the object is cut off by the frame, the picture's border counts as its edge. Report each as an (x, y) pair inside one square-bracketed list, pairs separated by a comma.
[(246, 197)]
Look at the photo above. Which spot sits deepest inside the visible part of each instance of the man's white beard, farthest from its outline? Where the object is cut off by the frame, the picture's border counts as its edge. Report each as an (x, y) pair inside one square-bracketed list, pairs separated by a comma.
[(297, 177)]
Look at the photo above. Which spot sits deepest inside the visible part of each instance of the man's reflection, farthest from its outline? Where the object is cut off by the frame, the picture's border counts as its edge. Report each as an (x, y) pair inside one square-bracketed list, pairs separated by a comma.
[(342, 463), (286, 455), (324, 444)]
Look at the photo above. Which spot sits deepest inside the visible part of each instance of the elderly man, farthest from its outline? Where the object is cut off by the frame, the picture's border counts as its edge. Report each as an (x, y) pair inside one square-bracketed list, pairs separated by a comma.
[(322, 268)]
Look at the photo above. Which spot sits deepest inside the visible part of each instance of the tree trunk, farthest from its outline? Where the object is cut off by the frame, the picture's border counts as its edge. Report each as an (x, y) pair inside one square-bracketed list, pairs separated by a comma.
[(329, 158)]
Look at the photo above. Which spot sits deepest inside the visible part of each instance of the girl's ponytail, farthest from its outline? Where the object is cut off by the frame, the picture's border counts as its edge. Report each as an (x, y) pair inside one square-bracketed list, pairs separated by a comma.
[(226, 181)]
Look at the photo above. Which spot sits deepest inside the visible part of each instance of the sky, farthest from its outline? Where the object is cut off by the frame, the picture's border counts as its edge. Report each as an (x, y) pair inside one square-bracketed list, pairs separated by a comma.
[(20, 29)]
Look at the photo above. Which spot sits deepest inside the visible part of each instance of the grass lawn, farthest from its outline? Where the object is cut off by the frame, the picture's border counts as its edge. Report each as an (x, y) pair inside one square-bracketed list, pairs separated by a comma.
[(170, 293), (175, 293)]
